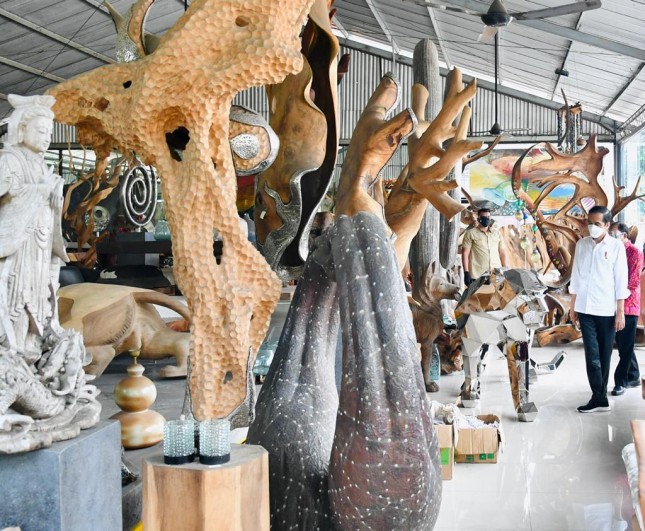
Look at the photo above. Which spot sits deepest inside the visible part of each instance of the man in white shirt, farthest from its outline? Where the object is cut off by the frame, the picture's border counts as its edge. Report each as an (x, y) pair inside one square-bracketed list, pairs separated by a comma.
[(598, 291)]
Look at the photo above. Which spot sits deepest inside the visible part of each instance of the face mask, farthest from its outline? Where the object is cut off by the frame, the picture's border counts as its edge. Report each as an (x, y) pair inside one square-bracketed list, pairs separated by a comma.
[(595, 231), (484, 222), (615, 235)]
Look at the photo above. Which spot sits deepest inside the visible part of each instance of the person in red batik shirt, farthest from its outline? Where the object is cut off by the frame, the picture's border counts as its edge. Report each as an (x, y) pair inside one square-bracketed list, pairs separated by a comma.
[(627, 374)]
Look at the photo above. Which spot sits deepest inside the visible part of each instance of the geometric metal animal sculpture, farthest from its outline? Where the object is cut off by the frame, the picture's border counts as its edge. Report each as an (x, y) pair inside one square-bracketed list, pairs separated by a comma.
[(501, 312), (172, 107), (114, 319)]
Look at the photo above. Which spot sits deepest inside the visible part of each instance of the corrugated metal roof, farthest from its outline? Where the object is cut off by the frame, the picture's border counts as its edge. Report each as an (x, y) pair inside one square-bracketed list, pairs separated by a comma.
[(602, 80), (605, 81)]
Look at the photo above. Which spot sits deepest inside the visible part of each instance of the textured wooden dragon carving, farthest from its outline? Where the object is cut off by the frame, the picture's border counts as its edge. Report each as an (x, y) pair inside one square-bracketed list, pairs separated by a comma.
[(171, 107)]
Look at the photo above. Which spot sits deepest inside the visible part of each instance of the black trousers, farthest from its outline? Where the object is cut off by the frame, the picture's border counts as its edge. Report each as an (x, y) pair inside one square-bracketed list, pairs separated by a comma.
[(598, 338), (627, 369)]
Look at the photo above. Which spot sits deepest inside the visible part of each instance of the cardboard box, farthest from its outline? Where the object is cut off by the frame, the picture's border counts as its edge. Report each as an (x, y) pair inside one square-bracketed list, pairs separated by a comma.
[(479, 445), (446, 436)]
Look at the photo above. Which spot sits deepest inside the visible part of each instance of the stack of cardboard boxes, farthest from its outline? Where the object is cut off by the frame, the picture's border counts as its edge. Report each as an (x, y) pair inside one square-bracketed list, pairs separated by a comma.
[(469, 445)]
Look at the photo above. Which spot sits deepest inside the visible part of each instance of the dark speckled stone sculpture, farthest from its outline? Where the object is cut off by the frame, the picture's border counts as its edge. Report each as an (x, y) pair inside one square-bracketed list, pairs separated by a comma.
[(296, 408), (383, 472)]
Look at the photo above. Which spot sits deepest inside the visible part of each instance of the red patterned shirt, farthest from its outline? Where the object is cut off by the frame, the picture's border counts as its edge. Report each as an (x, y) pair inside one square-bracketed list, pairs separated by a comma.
[(634, 266)]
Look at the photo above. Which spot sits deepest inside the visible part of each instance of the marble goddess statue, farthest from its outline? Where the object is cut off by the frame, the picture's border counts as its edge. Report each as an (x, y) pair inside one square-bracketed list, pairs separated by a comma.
[(43, 391)]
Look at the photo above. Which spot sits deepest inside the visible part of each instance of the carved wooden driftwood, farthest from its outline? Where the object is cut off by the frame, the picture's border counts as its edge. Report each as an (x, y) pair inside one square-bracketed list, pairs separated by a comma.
[(172, 108), (100, 183), (423, 179), (563, 229), (303, 110), (425, 249)]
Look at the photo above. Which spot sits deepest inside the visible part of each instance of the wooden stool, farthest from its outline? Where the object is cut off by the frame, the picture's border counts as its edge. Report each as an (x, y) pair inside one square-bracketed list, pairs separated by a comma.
[(195, 497)]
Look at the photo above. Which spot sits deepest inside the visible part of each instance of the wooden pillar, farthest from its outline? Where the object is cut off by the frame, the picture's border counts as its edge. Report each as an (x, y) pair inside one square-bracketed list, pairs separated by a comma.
[(195, 497)]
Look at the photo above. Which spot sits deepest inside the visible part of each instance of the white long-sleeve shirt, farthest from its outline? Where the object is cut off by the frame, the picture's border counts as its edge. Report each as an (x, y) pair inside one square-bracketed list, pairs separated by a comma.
[(599, 276)]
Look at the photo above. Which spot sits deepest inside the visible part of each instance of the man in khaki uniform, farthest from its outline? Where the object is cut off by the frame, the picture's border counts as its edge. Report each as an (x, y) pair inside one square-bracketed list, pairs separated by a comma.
[(482, 248)]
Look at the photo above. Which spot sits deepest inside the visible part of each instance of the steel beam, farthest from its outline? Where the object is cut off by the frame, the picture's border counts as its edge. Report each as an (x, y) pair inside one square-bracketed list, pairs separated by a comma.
[(437, 29), (31, 70), (55, 36), (98, 4), (622, 89), (585, 38), (336, 23), (383, 25)]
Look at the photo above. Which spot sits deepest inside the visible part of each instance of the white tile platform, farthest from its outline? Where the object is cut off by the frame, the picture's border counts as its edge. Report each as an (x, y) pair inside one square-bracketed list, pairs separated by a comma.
[(562, 472)]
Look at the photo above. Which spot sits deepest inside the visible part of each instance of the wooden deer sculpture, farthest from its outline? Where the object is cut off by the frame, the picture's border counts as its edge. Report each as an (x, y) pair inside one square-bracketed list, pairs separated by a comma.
[(427, 315)]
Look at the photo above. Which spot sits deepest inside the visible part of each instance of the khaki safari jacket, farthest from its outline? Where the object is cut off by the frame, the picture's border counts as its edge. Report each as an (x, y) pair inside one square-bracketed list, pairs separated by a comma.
[(484, 250)]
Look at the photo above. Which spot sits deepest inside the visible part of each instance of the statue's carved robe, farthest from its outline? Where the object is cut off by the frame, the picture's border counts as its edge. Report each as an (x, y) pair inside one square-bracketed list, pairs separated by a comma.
[(31, 247)]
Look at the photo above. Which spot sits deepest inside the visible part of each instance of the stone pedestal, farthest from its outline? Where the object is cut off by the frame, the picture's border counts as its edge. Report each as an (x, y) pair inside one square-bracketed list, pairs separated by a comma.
[(229, 497), (74, 485)]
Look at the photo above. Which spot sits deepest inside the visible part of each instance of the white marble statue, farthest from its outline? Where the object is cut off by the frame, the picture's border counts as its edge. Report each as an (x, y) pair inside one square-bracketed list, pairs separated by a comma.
[(43, 394)]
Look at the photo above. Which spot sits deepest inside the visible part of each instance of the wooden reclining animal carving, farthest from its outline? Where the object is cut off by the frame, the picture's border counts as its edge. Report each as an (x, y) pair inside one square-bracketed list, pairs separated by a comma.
[(114, 319)]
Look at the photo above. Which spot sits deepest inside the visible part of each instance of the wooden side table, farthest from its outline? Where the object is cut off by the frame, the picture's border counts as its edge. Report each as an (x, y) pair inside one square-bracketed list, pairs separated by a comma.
[(195, 497)]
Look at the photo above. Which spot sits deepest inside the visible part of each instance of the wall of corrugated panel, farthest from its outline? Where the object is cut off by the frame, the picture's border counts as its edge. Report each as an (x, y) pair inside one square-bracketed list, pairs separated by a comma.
[(254, 98), (63, 134), (513, 113), (364, 74)]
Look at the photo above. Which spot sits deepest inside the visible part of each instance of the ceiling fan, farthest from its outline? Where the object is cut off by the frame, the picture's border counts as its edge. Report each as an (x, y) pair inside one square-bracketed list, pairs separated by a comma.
[(498, 16), (496, 129)]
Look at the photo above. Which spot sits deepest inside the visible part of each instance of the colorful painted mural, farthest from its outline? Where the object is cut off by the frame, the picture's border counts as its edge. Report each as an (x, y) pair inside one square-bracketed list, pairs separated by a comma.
[(489, 180)]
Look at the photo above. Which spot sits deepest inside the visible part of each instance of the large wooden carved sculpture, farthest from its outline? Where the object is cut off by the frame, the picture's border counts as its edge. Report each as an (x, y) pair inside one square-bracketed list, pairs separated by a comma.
[(383, 473), (303, 111), (253, 143), (172, 108), (422, 180), (587, 162), (427, 316)]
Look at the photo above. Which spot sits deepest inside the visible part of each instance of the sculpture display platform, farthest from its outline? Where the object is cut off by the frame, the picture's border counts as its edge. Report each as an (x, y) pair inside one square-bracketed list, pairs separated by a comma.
[(73, 486), (43, 392), (229, 497)]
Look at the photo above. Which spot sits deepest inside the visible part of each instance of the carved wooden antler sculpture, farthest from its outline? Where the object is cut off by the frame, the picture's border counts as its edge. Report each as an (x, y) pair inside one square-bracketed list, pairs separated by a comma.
[(423, 179), (588, 162), (172, 108)]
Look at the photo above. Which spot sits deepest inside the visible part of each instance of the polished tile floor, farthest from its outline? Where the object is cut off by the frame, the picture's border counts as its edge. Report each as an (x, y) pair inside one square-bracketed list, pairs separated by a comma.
[(562, 472)]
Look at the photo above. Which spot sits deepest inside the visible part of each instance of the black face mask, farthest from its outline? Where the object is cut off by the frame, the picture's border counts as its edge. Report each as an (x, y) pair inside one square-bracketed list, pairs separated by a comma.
[(484, 222)]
